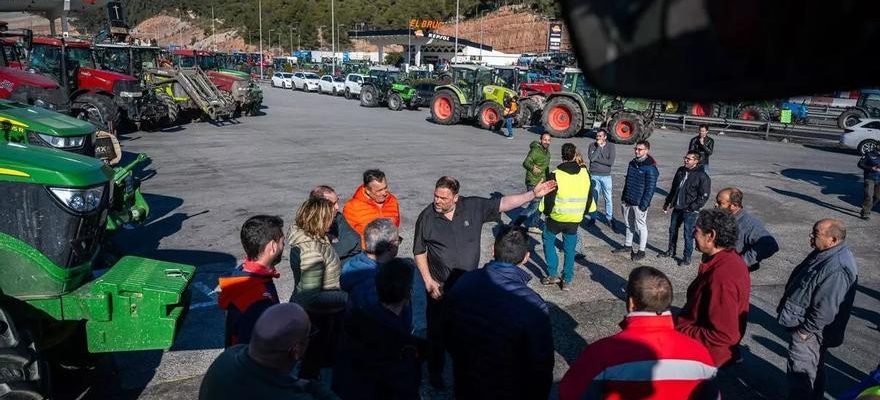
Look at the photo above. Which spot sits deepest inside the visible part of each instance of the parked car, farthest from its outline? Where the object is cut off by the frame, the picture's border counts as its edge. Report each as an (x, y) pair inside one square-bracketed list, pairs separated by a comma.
[(863, 136), (334, 85), (353, 83), (307, 81), (282, 80)]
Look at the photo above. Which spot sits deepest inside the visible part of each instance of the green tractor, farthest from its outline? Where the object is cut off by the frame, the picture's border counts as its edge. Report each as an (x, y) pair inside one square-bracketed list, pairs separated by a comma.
[(578, 107), (475, 92), (58, 301), (378, 88)]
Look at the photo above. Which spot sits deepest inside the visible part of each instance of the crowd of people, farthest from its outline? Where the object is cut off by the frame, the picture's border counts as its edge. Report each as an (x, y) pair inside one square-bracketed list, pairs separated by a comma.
[(351, 310)]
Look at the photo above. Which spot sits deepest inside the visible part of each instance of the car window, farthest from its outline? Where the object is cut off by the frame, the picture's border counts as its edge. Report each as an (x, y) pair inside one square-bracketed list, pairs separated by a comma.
[(326, 79), (298, 75), (287, 75), (873, 125), (339, 79), (312, 76)]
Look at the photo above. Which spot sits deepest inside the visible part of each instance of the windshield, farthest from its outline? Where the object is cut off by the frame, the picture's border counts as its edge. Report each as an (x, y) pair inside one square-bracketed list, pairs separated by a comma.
[(114, 59), (81, 56), (186, 61), (286, 75), (46, 59), (145, 59), (207, 63), (312, 76)]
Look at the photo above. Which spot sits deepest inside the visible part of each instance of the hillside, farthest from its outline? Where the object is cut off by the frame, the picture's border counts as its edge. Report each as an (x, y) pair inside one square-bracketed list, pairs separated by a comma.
[(509, 29)]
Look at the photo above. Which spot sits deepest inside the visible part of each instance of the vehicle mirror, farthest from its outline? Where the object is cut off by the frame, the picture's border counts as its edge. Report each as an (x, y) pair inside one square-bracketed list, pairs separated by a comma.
[(28, 39), (724, 50)]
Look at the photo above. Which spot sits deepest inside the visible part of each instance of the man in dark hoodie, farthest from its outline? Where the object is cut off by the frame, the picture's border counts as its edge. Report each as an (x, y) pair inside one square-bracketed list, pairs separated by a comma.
[(537, 165), (565, 210), (688, 194), (638, 189), (704, 145)]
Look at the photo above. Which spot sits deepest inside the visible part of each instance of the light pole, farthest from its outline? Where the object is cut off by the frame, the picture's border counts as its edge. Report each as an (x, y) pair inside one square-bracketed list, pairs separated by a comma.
[(456, 31), (408, 42), (260, 15), (482, 15), (332, 32), (291, 38)]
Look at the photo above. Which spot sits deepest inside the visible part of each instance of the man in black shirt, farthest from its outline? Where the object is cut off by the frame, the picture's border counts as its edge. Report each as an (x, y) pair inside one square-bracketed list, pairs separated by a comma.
[(703, 145), (687, 196), (447, 244)]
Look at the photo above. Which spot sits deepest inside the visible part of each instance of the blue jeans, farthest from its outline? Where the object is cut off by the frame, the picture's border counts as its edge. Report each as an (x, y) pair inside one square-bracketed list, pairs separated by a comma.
[(531, 213), (508, 123), (603, 183), (689, 219), (569, 248)]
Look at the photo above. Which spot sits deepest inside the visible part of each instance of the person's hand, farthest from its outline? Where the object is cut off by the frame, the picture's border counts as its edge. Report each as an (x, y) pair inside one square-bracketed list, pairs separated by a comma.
[(543, 188), (433, 288)]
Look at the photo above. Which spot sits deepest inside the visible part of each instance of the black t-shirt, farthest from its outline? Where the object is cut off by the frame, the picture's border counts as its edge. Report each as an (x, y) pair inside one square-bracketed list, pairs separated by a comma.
[(454, 244)]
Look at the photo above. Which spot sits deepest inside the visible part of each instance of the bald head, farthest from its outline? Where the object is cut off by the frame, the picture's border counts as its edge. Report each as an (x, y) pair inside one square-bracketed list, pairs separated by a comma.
[(827, 233), (729, 199), (280, 336)]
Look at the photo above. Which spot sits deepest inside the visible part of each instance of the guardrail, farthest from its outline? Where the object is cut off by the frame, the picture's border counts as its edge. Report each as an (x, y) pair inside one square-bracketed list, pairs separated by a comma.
[(756, 128)]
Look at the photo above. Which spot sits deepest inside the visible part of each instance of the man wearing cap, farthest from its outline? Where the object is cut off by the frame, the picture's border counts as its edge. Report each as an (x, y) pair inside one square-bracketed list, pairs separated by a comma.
[(261, 369)]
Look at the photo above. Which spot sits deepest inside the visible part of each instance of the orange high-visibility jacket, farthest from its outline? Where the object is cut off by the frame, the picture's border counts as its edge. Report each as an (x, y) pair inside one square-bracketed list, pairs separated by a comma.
[(360, 210)]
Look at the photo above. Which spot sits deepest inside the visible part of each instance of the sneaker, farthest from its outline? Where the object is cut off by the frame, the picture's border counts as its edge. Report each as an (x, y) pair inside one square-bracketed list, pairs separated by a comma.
[(565, 286), (638, 256), (621, 250), (864, 217), (666, 254), (684, 262), (550, 280), (535, 230), (510, 137)]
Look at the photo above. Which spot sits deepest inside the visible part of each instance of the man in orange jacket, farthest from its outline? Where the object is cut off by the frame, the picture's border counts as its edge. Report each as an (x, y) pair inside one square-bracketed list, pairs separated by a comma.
[(370, 201)]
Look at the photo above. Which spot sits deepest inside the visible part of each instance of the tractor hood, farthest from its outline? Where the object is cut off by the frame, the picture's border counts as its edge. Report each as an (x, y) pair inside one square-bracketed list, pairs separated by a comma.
[(19, 77), (44, 166), (43, 121), (101, 79), (223, 81)]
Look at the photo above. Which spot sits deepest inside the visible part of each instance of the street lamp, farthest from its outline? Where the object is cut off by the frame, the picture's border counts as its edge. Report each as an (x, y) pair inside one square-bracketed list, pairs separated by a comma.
[(456, 30), (332, 32)]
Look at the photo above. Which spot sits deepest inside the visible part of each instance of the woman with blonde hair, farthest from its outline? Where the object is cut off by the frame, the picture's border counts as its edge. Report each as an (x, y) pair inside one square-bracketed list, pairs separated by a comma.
[(316, 269)]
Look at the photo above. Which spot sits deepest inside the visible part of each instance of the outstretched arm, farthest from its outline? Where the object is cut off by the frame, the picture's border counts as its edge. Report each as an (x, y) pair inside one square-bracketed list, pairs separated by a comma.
[(512, 201)]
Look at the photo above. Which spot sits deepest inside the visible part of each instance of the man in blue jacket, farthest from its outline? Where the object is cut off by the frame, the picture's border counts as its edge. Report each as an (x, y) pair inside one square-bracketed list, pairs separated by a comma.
[(815, 307), (498, 329), (638, 189), (381, 241)]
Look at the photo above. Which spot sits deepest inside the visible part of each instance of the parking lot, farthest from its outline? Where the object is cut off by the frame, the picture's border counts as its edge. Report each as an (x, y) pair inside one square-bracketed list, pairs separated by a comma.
[(205, 180)]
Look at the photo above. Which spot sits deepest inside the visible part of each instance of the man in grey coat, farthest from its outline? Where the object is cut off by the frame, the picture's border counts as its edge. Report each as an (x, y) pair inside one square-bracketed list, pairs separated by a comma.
[(753, 243), (815, 307), (601, 154)]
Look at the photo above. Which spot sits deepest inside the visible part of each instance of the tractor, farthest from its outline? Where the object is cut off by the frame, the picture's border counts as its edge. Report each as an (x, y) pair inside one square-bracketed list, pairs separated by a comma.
[(867, 106), (248, 96), (580, 107), (24, 87), (532, 91), (59, 301), (377, 88), (473, 93), (98, 96)]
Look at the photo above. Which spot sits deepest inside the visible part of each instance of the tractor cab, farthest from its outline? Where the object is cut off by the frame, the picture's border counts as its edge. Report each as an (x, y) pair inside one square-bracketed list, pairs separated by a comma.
[(26, 87), (473, 93)]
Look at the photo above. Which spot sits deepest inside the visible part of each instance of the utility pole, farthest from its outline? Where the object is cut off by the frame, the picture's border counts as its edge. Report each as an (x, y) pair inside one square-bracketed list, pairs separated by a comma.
[(408, 42), (291, 39), (456, 31), (213, 32), (260, 13), (482, 14)]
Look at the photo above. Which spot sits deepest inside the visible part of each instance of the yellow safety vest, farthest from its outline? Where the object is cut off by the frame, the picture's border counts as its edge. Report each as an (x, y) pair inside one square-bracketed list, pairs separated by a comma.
[(573, 194)]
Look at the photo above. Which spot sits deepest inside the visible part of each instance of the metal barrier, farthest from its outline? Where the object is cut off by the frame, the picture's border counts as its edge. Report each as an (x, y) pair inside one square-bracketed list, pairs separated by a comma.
[(757, 128)]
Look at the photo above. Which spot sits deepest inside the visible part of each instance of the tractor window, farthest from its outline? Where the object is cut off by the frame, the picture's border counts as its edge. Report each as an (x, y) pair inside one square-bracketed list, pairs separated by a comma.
[(47, 59), (872, 100), (116, 60), (145, 59), (82, 56), (186, 61)]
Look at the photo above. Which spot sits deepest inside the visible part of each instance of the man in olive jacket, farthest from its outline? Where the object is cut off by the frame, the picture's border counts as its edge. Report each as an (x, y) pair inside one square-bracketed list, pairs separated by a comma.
[(537, 166)]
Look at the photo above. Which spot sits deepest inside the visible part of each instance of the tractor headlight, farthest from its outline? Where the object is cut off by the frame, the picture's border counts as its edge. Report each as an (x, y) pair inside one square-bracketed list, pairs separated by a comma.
[(80, 200), (63, 142), (130, 94)]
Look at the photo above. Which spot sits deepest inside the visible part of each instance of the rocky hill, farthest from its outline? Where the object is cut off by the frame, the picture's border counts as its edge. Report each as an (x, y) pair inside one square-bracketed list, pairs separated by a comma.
[(510, 29)]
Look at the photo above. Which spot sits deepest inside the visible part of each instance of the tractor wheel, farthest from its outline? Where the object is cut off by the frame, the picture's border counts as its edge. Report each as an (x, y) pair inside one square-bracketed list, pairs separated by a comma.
[(172, 109), (850, 117), (489, 115), (753, 113), (395, 103), (671, 107), (369, 97), (867, 145), (701, 109), (626, 128), (562, 117), (347, 94), (529, 113), (445, 108), (97, 109)]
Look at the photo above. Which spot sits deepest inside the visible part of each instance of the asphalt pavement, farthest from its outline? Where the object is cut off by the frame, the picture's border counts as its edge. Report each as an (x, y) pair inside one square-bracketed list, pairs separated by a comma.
[(206, 179)]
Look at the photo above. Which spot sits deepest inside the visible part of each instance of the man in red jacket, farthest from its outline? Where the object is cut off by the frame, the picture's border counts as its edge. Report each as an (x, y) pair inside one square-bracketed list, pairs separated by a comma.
[(648, 359), (717, 307), (371, 201)]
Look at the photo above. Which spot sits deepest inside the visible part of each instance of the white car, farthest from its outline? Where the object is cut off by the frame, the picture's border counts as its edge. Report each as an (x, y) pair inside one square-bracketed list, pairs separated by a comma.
[(307, 81), (353, 84), (332, 85), (863, 136), (282, 80)]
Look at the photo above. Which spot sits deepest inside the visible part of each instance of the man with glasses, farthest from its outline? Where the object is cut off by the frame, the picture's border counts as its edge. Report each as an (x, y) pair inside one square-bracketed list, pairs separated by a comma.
[(638, 189), (345, 241), (815, 307), (688, 194)]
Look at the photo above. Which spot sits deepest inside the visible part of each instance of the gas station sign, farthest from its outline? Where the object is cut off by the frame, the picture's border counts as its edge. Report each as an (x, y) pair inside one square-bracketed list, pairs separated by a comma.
[(425, 24)]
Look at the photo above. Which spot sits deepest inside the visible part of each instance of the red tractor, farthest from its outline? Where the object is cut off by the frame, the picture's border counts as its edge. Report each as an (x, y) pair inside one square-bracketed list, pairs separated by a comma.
[(24, 87), (532, 92), (101, 97)]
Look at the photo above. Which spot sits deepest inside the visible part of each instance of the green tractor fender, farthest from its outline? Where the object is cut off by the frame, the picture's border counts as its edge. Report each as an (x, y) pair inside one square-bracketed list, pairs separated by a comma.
[(454, 89), (496, 94)]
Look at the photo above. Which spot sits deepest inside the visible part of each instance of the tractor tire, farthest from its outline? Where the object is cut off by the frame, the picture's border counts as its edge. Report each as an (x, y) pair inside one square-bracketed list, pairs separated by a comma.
[(489, 116), (627, 128), (753, 113), (529, 113), (347, 94), (701, 109), (671, 107), (97, 109), (850, 117), (867, 145), (445, 108), (562, 117), (395, 103), (369, 96), (172, 107)]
